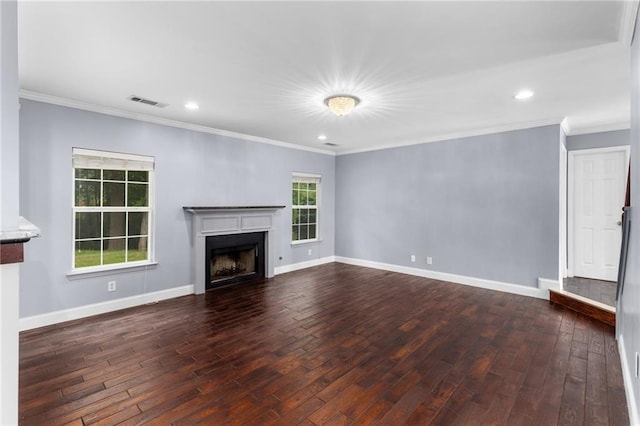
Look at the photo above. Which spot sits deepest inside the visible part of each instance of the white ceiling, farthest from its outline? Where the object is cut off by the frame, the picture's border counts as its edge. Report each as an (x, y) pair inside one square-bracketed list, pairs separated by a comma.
[(423, 70)]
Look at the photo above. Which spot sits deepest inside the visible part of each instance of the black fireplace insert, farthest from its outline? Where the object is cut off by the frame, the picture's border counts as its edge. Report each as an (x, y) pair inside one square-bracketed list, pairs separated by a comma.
[(234, 258)]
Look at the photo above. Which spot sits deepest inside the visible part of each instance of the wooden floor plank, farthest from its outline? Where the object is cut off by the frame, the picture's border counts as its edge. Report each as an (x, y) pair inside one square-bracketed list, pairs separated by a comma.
[(334, 344)]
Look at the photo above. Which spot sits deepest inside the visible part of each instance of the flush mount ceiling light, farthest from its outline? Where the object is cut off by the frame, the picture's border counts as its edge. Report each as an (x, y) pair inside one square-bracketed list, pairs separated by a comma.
[(322, 137), (523, 94), (191, 105), (341, 105)]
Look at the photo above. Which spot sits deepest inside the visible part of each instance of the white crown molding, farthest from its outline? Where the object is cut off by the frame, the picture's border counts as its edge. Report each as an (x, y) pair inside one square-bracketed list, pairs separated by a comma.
[(459, 135), (599, 128), (452, 278), (56, 317), (55, 100), (627, 22)]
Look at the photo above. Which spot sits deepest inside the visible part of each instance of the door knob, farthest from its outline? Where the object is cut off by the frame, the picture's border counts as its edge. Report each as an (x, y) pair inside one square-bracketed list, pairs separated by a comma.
[(619, 223)]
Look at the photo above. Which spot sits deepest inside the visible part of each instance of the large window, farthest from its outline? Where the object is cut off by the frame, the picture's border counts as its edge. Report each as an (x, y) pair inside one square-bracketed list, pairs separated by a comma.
[(304, 206), (112, 209)]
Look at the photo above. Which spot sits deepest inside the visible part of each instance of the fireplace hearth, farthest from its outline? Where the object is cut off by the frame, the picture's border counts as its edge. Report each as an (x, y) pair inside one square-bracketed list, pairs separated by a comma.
[(234, 258)]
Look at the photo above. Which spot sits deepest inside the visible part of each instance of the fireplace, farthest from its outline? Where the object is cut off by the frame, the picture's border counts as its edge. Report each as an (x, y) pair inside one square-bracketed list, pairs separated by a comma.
[(234, 258), (229, 221)]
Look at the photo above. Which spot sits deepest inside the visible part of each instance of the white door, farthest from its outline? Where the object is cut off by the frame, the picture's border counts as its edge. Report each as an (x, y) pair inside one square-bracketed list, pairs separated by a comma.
[(599, 183)]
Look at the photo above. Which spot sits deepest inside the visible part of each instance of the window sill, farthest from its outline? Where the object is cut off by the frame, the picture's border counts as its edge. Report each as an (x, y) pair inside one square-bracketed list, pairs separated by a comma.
[(299, 243), (109, 270)]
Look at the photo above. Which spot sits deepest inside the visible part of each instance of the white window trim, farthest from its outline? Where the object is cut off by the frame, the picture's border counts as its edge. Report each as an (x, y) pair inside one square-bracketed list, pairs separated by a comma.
[(309, 178), (132, 162)]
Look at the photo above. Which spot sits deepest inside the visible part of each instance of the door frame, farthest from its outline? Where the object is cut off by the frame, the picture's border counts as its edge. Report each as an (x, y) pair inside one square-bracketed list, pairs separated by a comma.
[(570, 241)]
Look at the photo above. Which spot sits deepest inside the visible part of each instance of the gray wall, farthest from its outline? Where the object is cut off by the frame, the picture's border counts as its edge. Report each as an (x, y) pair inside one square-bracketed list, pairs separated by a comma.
[(629, 305), (484, 207), (599, 140), (192, 168)]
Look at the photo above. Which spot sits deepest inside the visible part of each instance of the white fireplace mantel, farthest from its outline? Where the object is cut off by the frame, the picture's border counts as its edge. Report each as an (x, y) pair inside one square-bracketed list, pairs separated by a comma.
[(208, 221)]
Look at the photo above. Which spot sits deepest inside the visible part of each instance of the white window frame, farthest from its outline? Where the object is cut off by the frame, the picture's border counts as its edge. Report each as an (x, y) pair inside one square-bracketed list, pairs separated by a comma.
[(307, 178), (93, 159)]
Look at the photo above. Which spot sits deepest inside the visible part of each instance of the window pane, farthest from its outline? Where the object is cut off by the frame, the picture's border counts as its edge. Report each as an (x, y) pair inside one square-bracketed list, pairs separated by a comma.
[(87, 225), (304, 215), (296, 216), (303, 186), (87, 253), (87, 193), (312, 231), (312, 187), (114, 175), (114, 224), (296, 185), (303, 198), (88, 174), (138, 176), (304, 232), (295, 233), (137, 194), (113, 194), (138, 223), (137, 249), (312, 215), (311, 198), (295, 197), (113, 251)]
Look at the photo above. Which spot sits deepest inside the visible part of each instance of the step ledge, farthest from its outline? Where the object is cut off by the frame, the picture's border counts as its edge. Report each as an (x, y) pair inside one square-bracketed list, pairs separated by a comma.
[(585, 300)]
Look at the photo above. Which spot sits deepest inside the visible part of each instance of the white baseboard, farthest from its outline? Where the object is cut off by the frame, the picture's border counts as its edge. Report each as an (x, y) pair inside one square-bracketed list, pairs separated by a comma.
[(458, 279), (546, 284), (303, 265), (634, 418), (43, 320)]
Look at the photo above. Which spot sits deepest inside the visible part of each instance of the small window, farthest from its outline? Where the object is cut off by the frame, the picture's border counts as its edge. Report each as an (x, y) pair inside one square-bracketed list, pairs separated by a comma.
[(304, 208), (112, 209)]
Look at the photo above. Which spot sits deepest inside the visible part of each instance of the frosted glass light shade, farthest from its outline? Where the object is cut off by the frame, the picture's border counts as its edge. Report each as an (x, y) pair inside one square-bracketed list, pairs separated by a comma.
[(341, 105)]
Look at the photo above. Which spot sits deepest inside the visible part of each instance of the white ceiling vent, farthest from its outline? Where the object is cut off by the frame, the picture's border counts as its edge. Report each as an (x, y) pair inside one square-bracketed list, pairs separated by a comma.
[(330, 144), (140, 100)]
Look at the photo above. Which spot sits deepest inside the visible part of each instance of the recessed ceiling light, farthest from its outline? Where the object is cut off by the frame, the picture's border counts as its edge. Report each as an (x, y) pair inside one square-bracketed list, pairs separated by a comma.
[(523, 94), (322, 137), (191, 105)]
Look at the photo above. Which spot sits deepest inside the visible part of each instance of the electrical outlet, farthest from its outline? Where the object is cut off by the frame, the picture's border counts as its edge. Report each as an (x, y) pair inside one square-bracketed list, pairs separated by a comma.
[(429, 260), (309, 252), (111, 286), (413, 257)]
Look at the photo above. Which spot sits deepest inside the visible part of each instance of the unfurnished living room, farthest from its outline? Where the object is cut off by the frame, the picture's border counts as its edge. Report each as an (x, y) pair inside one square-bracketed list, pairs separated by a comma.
[(316, 213)]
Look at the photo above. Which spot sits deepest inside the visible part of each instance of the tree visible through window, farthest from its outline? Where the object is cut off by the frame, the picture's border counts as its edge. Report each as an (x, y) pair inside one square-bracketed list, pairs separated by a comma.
[(112, 208), (304, 203)]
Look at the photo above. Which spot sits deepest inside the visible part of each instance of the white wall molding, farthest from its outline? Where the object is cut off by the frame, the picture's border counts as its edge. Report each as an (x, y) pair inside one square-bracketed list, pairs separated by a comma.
[(458, 279), (55, 100), (43, 320), (546, 284), (634, 416), (303, 265)]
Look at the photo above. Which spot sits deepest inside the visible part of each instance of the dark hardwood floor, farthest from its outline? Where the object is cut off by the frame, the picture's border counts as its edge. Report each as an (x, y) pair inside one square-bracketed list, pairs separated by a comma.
[(334, 344)]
